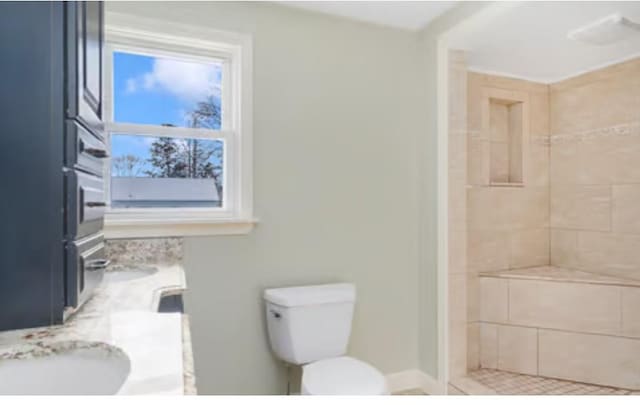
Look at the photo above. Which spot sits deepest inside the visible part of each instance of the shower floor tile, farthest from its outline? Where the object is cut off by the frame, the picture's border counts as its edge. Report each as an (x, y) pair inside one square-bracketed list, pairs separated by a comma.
[(507, 383)]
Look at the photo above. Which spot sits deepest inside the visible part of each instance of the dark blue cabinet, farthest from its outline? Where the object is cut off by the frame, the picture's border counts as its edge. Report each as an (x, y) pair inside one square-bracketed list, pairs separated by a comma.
[(51, 89)]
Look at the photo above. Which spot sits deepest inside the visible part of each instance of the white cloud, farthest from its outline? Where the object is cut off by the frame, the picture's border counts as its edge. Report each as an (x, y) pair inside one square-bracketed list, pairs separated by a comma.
[(186, 80), (132, 86)]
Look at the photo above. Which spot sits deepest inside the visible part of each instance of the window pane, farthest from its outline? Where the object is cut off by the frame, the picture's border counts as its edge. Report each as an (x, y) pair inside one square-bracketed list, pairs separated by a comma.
[(161, 91), (166, 172)]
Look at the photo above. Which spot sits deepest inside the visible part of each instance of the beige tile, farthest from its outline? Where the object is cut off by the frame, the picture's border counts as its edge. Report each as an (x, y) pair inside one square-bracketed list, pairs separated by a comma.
[(567, 306), (596, 160), (457, 95), (507, 383), (499, 122), (473, 345), (539, 165), (493, 299), (473, 298), (631, 311), (474, 95), (471, 387), (487, 251), (457, 170), (478, 161), (581, 207), (457, 348), (529, 248), (499, 165), (507, 208), (626, 208), (458, 298), (610, 254), (595, 359), (564, 248), (518, 349), (539, 105), (457, 252), (596, 101), (488, 345), (481, 212)]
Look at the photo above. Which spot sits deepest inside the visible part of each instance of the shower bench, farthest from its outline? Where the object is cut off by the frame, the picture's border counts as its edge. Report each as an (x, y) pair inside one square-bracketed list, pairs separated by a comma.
[(561, 323)]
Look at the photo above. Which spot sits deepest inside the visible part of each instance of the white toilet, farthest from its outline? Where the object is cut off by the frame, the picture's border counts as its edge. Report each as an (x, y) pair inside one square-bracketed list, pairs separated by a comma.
[(310, 326)]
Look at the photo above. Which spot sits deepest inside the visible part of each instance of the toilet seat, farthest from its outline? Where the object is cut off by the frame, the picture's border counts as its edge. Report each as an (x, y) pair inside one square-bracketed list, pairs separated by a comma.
[(342, 376)]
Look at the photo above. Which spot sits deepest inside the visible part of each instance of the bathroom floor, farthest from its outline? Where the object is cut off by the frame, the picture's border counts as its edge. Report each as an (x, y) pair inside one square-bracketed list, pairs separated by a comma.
[(506, 383)]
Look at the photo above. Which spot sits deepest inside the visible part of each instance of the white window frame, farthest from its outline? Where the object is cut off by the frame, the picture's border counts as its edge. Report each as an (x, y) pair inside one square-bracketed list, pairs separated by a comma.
[(234, 51)]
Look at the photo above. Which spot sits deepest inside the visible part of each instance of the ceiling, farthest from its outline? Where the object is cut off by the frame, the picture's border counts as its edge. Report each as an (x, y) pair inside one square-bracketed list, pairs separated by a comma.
[(411, 15), (529, 39)]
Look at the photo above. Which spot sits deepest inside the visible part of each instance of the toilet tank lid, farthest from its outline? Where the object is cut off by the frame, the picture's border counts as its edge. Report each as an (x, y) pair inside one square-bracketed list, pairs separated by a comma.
[(311, 295)]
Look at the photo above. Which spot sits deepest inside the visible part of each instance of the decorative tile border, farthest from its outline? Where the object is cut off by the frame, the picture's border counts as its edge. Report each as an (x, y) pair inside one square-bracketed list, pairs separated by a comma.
[(140, 251), (627, 129), (535, 139)]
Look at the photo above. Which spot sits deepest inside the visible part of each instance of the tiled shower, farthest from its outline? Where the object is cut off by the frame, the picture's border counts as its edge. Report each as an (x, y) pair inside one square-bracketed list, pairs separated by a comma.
[(544, 225)]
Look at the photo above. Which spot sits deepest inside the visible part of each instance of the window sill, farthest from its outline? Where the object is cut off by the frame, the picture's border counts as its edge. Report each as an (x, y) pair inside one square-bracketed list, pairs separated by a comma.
[(117, 227)]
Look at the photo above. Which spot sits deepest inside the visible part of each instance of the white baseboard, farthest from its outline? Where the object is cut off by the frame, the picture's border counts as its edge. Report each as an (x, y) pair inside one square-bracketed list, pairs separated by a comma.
[(415, 380)]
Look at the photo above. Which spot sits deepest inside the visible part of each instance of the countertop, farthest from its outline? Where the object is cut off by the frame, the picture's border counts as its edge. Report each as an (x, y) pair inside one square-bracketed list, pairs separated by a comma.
[(123, 313)]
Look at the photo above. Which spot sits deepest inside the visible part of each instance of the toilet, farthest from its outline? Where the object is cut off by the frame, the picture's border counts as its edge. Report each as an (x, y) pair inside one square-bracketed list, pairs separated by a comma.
[(310, 326)]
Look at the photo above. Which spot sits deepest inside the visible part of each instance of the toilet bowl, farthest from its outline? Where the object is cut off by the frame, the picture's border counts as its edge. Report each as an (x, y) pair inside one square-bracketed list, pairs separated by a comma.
[(310, 326), (342, 376)]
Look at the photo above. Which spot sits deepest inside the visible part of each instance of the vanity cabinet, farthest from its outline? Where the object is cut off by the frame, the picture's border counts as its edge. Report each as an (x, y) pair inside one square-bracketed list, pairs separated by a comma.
[(51, 163)]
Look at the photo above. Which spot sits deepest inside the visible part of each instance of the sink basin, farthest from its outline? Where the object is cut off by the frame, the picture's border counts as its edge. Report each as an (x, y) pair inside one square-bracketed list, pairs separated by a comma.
[(64, 368), (124, 273)]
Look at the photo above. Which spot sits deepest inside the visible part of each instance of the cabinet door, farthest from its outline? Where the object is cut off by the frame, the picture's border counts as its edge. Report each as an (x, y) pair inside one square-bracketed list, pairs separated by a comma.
[(85, 47)]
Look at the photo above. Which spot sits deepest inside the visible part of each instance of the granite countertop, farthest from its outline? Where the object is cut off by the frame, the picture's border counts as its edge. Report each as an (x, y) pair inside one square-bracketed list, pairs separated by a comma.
[(122, 315)]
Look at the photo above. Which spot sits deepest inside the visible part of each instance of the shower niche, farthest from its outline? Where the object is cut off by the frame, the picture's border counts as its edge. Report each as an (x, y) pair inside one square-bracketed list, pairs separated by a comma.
[(505, 124)]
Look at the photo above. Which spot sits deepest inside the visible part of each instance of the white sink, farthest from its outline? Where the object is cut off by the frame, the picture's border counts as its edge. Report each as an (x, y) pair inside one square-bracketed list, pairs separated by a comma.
[(129, 273), (64, 368)]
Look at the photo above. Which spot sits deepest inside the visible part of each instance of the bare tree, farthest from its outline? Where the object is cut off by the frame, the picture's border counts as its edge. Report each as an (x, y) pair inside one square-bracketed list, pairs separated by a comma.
[(127, 166), (191, 158)]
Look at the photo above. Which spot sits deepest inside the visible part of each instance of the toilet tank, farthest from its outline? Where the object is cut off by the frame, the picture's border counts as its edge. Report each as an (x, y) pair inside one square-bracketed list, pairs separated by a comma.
[(310, 323)]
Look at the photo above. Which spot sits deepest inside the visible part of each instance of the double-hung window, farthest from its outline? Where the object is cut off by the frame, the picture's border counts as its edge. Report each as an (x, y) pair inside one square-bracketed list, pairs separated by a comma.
[(179, 128)]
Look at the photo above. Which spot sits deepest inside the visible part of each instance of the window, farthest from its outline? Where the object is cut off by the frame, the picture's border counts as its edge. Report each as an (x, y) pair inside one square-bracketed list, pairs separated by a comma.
[(178, 124)]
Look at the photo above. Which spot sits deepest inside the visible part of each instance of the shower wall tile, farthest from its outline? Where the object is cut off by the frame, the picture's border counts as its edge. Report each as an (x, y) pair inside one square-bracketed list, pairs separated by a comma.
[(610, 253), (595, 151), (457, 252), (473, 297), (488, 345), (478, 162), (487, 250), (507, 227), (457, 298), (631, 312), (539, 161), (539, 105), (529, 248), (518, 349), (473, 345), (564, 248), (568, 306), (494, 298), (607, 156), (507, 208), (626, 208), (598, 99), (581, 207), (595, 359), (457, 220)]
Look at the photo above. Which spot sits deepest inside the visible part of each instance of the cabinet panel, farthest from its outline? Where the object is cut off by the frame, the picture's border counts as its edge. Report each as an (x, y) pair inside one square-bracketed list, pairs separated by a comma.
[(85, 51)]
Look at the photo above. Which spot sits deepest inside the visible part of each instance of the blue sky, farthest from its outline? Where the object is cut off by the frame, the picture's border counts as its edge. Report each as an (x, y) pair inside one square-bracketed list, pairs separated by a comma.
[(156, 91)]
